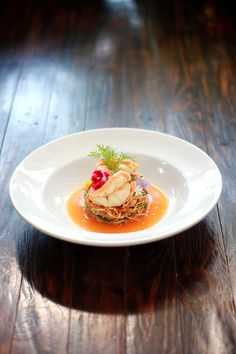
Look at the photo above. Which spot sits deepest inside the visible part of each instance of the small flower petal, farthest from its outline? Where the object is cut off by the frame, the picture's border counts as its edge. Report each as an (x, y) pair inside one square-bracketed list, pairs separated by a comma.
[(99, 177), (87, 184), (143, 184)]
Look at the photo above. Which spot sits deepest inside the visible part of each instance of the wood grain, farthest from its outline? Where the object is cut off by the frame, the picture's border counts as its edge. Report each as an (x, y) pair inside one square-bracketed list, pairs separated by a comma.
[(24, 133), (39, 75), (216, 102), (67, 66)]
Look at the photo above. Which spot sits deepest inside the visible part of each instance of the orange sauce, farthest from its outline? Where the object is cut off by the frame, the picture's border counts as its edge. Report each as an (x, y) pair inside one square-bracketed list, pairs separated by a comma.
[(156, 209)]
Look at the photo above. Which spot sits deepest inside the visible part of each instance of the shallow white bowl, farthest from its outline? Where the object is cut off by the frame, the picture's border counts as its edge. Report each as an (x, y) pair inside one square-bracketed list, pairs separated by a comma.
[(43, 181)]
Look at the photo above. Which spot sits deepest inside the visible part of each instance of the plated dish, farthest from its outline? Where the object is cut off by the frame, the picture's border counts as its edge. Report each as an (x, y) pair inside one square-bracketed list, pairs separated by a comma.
[(45, 181)]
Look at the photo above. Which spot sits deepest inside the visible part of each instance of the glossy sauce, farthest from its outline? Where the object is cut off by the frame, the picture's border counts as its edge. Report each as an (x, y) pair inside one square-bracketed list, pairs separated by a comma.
[(156, 209)]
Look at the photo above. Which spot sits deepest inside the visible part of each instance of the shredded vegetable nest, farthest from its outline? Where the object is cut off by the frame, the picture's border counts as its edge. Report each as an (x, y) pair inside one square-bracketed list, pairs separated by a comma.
[(133, 208)]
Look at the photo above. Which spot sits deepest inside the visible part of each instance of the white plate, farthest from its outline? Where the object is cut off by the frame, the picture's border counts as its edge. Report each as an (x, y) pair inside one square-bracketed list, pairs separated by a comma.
[(42, 182)]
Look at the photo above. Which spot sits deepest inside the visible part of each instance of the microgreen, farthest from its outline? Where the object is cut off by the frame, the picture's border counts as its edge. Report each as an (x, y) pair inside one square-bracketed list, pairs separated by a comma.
[(110, 156)]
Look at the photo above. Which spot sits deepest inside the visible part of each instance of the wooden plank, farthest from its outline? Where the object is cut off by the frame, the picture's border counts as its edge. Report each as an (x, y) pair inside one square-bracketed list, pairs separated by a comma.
[(218, 106), (104, 106), (70, 91), (43, 311), (214, 63), (24, 133), (9, 76), (199, 278), (11, 59), (97, 316), (153, 323)]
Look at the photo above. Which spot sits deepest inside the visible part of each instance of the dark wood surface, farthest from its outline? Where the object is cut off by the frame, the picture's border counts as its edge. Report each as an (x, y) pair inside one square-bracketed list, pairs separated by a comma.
[(67, 66)]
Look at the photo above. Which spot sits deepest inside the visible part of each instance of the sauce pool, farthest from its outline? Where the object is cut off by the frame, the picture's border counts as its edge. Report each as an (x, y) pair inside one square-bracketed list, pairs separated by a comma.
[(155, 211)]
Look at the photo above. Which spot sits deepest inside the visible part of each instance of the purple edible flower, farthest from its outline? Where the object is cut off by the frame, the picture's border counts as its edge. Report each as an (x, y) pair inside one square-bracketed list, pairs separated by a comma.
[(143, 184)]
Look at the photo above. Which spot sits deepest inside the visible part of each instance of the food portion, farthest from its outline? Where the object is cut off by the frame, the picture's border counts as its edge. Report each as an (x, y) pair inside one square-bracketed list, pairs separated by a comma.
[(116, 192), (116, 198)]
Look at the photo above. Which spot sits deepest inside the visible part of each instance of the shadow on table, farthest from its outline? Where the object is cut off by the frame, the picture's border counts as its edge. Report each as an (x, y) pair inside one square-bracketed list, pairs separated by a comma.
[(119, 280)]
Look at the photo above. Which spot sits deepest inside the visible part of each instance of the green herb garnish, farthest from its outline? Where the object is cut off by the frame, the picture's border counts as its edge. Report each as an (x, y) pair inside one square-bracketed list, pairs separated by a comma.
[(110, 156)]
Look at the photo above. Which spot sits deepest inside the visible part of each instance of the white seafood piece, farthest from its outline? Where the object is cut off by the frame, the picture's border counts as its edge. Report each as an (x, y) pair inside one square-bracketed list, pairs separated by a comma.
[(114, 192), (128, 166)]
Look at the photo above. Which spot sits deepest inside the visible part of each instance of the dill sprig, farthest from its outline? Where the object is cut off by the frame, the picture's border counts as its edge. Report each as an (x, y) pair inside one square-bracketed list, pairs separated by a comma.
[(110, 156)]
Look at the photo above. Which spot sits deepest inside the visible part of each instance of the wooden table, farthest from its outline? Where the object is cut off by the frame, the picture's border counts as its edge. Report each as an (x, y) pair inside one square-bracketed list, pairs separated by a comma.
[(67, 66)]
